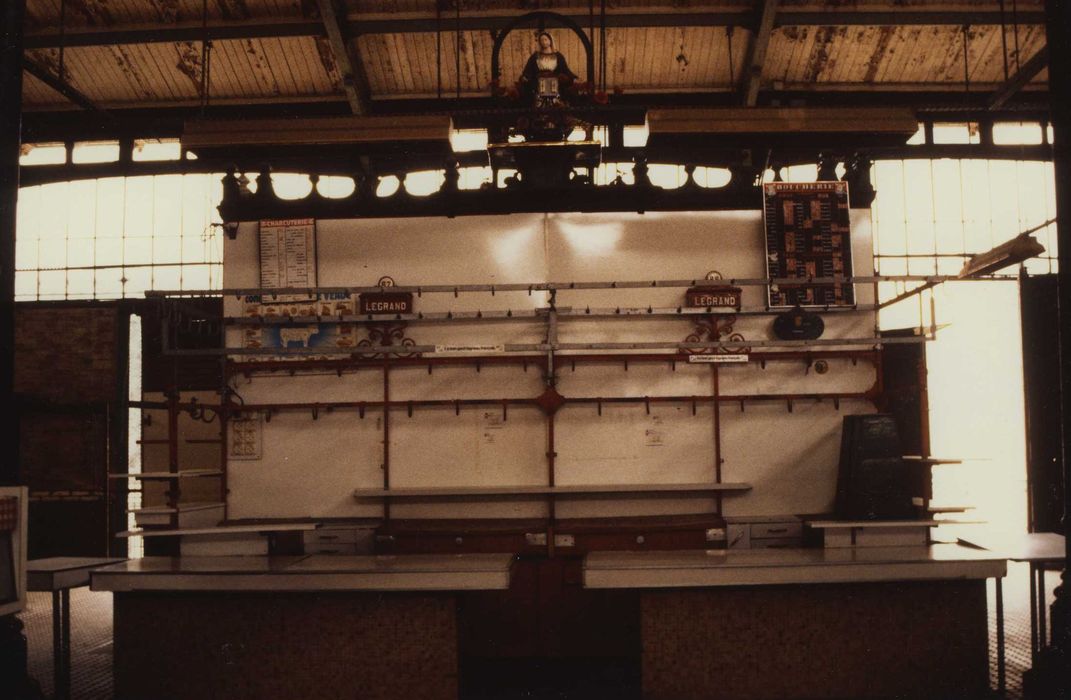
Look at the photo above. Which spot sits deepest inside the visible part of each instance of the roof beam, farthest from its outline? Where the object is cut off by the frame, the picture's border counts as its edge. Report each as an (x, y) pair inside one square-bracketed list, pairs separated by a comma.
[(354, 80), (171, 33), (756, 52), (299, 26), (59, 85), (1027, 72)]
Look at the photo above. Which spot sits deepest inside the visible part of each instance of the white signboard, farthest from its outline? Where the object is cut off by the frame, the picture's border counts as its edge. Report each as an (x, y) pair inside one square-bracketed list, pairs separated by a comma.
[(716, 359), (470, 349), (287, 253)]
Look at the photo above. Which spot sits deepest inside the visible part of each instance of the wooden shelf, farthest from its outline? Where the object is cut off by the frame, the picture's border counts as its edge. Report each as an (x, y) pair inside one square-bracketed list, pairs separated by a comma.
[(229, 530), (857, 524), (844, 524), (463, 491), (916, 459), (182, 474), (168, 510)]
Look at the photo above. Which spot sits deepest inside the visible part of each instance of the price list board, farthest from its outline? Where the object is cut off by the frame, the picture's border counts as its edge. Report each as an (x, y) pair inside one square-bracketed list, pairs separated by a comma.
[(287, 253), (808, 235)]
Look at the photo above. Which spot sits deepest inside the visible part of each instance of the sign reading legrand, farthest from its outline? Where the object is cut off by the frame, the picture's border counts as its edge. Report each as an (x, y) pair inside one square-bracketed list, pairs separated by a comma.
[(386, 303), (713, 296)]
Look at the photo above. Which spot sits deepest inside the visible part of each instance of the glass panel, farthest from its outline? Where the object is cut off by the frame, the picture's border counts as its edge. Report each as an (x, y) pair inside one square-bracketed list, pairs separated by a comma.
[(43, 154), (169, 277), (335, 187), (463, 140), (137, 280), (425, 182), (109, 283), (387, 186), (1017, 133), (157, 149), (52, 284), (109, 251), (801, 173), (95, 152), (80, 252), (80, 284), (956, 132), (668, 177), (291, 185), (26, 286)]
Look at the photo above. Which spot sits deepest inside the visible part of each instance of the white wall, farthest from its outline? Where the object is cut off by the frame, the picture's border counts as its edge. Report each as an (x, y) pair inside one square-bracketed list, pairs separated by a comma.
[(309, 468)]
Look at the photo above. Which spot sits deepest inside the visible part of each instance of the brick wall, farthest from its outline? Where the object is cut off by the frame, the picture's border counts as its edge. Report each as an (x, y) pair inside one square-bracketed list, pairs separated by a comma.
[(66, 353), (66, 368)]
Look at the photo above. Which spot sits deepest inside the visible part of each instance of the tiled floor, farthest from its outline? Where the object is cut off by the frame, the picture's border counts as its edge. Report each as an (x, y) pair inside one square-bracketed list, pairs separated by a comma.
[(91, 636)]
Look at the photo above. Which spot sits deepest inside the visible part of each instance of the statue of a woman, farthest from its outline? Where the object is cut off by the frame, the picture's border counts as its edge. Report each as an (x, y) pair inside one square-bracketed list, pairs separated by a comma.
[(545, 74)]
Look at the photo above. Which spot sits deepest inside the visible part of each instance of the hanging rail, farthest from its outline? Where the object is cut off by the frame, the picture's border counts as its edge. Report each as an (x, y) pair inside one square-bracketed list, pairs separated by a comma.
[(566, 286), (514, 348)]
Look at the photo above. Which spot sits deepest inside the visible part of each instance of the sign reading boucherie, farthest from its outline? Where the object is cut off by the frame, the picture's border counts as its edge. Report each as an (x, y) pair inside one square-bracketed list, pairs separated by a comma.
[(721, 296), (376, 303)]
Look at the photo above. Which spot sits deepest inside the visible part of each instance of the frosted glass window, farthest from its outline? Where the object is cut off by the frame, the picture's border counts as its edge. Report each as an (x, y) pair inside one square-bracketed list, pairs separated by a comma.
[(956, 132), (1017, 133), (43, 154), (95, 152), (157, 149), (103, 238)]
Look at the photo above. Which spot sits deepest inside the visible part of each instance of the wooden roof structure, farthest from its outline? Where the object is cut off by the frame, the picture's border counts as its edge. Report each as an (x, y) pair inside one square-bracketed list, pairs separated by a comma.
[(163, 59)]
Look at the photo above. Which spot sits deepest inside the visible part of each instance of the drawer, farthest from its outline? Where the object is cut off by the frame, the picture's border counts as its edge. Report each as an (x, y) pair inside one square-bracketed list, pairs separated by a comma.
[(739, 536), (331, 534), (330, 548), (762, 531), (777, 543)]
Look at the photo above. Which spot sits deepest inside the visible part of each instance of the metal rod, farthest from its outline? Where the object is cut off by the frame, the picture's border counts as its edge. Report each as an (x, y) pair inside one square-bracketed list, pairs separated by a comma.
[(514, 348), (406, 405), (386, 434), (563, 286), (1001, 666), (567, 313)]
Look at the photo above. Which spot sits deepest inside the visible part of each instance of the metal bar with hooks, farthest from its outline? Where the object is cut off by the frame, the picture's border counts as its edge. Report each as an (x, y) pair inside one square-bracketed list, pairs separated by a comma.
[(562, 286)]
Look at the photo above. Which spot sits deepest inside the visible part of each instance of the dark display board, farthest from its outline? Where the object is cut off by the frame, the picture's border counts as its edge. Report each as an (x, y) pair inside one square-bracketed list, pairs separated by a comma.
[(873, 482), (808, 235)]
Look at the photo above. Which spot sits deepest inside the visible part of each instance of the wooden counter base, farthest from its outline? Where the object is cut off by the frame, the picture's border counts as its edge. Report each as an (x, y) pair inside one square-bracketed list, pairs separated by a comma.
[(374, 646), (921, 639)]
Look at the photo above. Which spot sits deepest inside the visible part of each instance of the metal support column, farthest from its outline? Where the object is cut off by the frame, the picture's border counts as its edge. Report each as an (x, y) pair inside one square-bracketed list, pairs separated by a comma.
[(1049, 676), (10, 142), (13, 647)]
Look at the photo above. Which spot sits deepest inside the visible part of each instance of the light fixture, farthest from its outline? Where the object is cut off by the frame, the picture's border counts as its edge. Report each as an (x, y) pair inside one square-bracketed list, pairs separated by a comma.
[(1022, 247)]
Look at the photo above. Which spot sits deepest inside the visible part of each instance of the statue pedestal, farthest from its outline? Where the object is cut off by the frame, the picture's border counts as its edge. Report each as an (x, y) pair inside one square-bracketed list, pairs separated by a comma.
[(545, 164)]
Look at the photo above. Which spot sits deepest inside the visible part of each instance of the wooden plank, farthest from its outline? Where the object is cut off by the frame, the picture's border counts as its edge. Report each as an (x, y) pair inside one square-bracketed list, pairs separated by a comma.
[(455, 492), (324, 131), (227, 530), (779, 120), (757, 52), (183, 474), (1017, 82)]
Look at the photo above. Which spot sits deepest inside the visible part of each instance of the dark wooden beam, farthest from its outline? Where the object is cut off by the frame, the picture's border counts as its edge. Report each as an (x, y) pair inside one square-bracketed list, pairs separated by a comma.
[(1027, 72), (756, 52), (61, 86), (1048, 678), (11, 58), (300, 26), (354, 80)]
